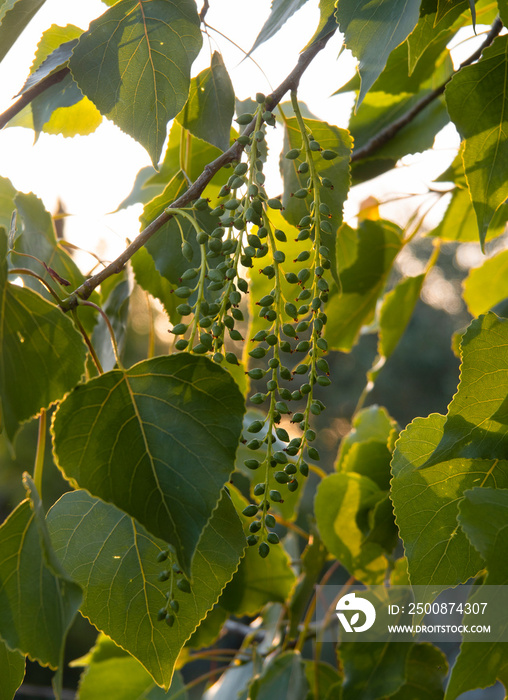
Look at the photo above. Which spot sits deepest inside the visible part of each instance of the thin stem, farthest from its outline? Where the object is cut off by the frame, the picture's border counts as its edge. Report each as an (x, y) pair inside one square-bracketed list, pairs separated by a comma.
[(30, 273), (312, 607), (109, 327), (88, 342), (39, 455), (31, 94), (151, 329), (291, 526)]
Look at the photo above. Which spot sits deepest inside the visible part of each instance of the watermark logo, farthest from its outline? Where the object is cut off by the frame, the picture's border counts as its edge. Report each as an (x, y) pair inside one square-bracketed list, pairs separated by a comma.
[(352, 603)]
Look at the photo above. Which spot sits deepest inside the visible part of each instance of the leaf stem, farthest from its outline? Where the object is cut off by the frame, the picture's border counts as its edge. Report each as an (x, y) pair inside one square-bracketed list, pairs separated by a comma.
[(88, 342), (41, 448), (30, 273), (109, 326)]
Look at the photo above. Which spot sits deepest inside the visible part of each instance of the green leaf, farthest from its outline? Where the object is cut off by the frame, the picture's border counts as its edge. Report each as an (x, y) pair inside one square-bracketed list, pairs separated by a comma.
[(114, 674), (484, 130), (38, 601), (209, 110), (426, 669), (321, 677), (313, 560), (426, 505), (477, 423), (460, 224), (14, 17), (396, 312), (208, 629), (42, 356), (158, 440), (257, 581), (12, 671), (362, 664), (281, 11), (483, 517), (339, 500), (134, 64), (486, 286), (327, 22), (115, 559), (376, 243), (372, 29), (7, 206), (370, 424), (283, 678), (337, 170), (141, 191)]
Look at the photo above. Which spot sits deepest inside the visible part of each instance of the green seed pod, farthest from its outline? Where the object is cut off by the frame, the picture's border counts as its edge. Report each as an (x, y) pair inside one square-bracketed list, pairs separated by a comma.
[(296, 395), (304, 274), (290, 309), (305, 221), (255, 427), (244, 119), (271, 315), (179, 329), (252, 463), (260, 336), (303, 168), (282, 434), (271, 339), (258, 353), (218, 357), (305, 389), (273, 363), (313, 453), (206, 339), (290, 468), (304, 295), (304, 469), (289, 330), (304, 255), (202, 237), (324, 381), (280, 235), (273, 538), (254, 444), (183, 585), (293, 485), (164, 575), (328, 155), (279, 256), (243, 285), (183, 309), (259, 489), (303, 235), (291, 278), (162, 556), (303, 310), (285, 347), (275, 496), (253, 191), (322, 344), (161, 615), (301, 193), (269, 271), (285, 394), (235, 298), (281, 477), (215, 245), (243, 140), (187, 251), (256, 373), (250, 511), (181, 344), (302, 326), (232, 204), (256, 525), (310, 435), (252, 540), (292, 154), (266, 300), (326, 182), (269, 520), (285, 373), (322, 365), (231, 358), (259, 135), (263, 550), (301, 369), (274, 203), (183, 292), (235, 335), (260, 178), (175, 605), (258, 398), (326, 227), (201, 204), (281, 407), (241, 169), (303, 346), (254, 241), (297, 417), (314, 146)]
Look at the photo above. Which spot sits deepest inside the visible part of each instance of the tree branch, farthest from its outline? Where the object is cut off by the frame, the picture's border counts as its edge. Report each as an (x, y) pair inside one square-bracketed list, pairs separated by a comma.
[(392, 129), (197, 187), (31, 94)]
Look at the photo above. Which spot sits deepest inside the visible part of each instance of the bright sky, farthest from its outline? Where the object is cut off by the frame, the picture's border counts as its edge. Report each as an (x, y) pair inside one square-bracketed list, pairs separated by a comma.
[(93, 174)]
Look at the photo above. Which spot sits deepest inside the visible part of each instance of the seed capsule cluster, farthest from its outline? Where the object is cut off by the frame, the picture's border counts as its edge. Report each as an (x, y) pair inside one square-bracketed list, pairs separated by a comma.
[(173, 574), (294, 320)]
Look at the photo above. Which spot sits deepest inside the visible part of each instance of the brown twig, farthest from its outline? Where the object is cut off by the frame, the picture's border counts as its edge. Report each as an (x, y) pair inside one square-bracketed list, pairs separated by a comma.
[(392, 129), (197, 187), (31, 94)]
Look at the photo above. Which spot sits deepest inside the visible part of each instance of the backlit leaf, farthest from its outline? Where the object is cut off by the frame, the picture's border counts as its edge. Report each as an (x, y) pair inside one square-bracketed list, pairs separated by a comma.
[(37, 601), (14, 17), (396, 312), (372, 29), (12, 671), (339, 499), (115, 559), (158, 440), (426, 669), (134, 64), (209, 110), (487, 285), (281, 11), (42, 356), (362, 663), (477, 101), (282, 678)]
